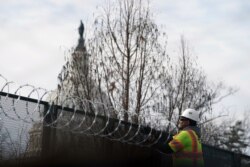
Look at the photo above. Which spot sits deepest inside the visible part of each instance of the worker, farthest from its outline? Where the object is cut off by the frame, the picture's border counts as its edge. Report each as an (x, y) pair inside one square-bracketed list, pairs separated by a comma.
[(185, 147)]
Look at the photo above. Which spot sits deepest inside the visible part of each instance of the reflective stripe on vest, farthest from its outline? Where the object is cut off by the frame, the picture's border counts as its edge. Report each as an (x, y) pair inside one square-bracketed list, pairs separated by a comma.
[(187, 149), (194, 146)]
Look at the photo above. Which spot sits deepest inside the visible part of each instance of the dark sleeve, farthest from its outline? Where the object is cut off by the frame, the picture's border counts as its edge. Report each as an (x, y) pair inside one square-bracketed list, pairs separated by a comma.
[(162, 145)]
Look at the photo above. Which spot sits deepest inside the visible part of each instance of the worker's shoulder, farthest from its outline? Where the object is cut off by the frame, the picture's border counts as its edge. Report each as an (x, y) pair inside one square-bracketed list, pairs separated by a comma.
[(183, 133)]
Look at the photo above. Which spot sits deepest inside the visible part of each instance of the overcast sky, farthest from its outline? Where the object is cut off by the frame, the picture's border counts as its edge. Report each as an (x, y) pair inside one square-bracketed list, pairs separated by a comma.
[(34, 36)]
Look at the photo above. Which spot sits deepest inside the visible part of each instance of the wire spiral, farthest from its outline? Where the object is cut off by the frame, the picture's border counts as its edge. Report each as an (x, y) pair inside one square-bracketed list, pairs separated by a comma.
[(91, 118)]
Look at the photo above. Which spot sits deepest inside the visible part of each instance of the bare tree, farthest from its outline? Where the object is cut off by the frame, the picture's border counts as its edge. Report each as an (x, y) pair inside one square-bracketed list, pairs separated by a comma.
[(246, 127), (187, 86), (127, 67), (234, 138), (229, 134), (127, 56), (212, 131)]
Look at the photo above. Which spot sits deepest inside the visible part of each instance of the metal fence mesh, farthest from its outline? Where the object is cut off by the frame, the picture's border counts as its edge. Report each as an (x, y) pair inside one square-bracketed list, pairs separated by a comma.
[(30, 128), (18, 118)]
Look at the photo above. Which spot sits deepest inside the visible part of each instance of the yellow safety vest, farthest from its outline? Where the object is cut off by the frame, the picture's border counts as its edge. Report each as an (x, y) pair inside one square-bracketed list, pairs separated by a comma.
[(187, 149)]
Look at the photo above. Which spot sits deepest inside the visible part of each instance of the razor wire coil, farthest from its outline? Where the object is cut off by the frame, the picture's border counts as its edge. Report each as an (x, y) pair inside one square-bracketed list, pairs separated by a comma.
[(99, 122)]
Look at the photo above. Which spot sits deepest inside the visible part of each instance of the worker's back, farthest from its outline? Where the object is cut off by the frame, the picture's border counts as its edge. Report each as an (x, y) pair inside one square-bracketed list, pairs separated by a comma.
[(187, 148)]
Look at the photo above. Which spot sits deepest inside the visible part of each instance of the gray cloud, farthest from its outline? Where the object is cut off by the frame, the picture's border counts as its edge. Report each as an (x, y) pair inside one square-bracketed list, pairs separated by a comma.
[(35, 34)]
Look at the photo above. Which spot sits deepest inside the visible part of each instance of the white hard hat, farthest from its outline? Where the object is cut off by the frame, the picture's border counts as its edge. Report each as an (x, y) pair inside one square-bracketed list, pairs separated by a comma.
[(191, 114)]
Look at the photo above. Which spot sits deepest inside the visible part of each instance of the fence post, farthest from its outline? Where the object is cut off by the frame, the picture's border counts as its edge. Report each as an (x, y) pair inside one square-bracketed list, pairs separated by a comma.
[(48, 132), (237, 160)]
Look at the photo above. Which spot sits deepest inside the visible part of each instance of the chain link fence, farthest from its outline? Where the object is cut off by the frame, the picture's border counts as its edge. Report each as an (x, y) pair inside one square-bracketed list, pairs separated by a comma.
[(35, 132)]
